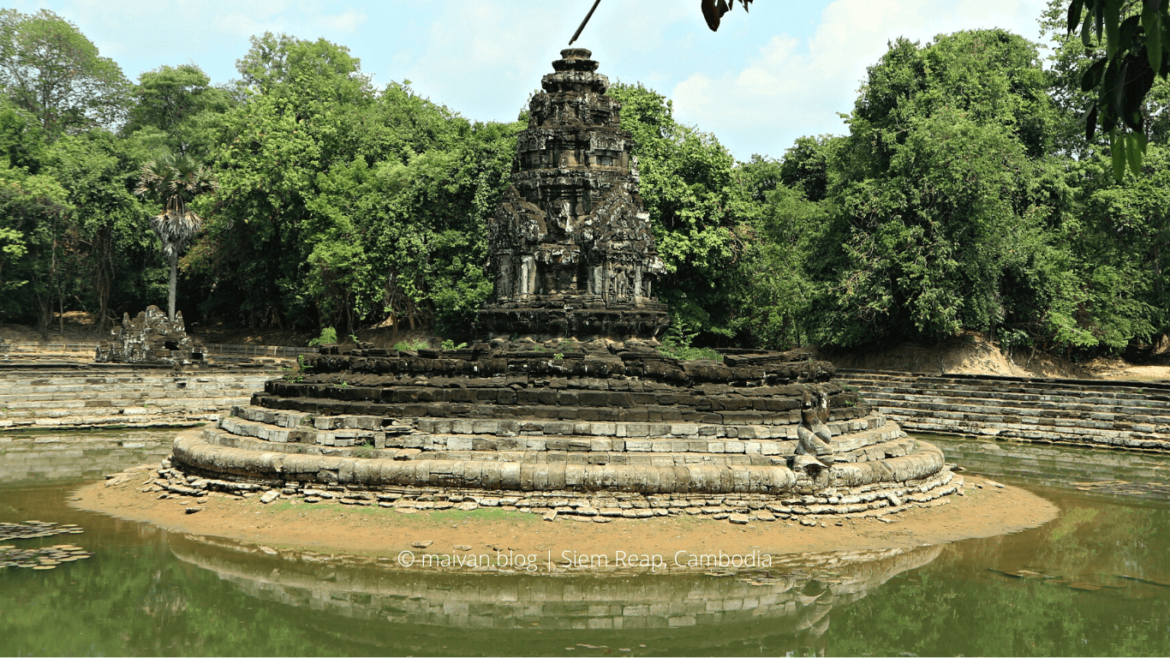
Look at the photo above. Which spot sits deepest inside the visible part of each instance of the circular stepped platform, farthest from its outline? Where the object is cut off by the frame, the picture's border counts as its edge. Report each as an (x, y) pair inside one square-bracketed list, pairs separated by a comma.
[(627, 432), (1094, 413)]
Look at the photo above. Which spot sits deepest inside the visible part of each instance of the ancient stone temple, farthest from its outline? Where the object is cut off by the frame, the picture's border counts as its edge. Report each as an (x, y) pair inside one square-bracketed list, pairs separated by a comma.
[(150, 338), (565, 406), (571, 246)]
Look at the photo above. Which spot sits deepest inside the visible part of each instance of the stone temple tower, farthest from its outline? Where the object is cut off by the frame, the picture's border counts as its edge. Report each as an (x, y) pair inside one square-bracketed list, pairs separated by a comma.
[(570, 243)]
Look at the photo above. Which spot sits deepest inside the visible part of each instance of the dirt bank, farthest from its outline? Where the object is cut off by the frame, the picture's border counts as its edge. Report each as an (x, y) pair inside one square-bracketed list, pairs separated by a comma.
[(986, 509), (972, 354)]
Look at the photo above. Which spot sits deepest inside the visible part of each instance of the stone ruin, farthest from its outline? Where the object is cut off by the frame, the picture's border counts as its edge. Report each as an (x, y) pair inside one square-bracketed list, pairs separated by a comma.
[(578, 415), (150, 338), (571, 246)]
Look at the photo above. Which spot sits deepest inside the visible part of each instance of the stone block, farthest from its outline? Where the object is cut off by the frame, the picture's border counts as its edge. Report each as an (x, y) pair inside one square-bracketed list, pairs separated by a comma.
[(593, 398), (485, 427), (459, 443)]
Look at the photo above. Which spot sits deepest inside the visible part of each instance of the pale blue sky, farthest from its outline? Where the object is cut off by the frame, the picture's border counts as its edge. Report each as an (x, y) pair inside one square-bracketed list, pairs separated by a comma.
[(766, 78)]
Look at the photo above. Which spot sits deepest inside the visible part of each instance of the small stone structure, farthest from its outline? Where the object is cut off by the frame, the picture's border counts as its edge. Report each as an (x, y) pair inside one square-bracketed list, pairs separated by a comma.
[(571, 246), (150, 338), (581, 416)]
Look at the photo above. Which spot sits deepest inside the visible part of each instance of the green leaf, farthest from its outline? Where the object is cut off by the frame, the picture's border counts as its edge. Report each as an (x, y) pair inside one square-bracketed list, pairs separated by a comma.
[(1133, 152), (1117, 150), (1092, 76), (1074, 14), (1112, 13), (1091, 123), (1142, 141), (1152, 24), (1086, 35)]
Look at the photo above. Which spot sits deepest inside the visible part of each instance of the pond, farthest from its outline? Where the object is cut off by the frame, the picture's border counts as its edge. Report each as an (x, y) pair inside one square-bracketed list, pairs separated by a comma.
[(1095, 581)]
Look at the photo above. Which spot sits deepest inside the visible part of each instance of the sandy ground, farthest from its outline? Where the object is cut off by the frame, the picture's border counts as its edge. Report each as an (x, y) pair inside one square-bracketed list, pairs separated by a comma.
[(333, 528), (970, 354)]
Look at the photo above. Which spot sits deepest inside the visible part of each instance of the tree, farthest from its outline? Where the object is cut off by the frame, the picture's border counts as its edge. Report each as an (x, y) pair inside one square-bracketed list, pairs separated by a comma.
[(99, 171), (49, 69), (929, 191), (175, 180), (697, 209), (181, 103), (345, 206)]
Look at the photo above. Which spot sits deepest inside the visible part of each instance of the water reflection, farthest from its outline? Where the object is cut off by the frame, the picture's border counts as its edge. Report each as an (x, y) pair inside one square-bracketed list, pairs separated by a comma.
[(1092, 470), (40, 457), (1093, 582), (793, 600)]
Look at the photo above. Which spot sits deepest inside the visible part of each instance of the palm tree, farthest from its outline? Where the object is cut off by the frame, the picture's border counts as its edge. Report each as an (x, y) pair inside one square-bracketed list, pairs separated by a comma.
[(174, 180)]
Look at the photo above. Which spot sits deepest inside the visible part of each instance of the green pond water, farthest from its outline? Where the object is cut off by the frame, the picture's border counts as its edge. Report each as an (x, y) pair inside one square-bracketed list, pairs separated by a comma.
[(1096, 581)]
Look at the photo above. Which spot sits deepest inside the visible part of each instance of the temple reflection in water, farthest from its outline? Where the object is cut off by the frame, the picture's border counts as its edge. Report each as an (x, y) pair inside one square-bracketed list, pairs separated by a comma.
[(447, 612)]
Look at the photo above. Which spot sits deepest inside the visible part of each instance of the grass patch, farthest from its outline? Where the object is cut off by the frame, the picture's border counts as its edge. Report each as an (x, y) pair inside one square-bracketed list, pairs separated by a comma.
[(411, 345), (421, 518)]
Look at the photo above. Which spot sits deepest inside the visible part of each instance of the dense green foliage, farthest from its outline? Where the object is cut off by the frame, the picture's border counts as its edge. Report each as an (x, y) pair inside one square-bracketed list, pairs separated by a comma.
[(964, 197)]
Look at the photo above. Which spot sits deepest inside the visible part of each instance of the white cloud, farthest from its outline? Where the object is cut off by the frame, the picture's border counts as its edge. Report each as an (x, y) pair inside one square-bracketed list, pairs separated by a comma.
[(486, 57), (792, 89), (201, 27)]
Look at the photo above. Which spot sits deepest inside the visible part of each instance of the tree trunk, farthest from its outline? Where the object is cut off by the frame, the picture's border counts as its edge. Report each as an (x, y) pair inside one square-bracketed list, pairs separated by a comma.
[(171, 290)]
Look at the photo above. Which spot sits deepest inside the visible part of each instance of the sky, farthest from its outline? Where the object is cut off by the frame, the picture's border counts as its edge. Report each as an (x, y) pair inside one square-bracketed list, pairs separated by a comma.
[(786, 69)]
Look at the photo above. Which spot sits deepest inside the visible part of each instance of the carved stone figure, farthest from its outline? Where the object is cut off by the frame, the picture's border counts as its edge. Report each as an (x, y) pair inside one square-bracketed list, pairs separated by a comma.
[(572, 222), (813, 433)]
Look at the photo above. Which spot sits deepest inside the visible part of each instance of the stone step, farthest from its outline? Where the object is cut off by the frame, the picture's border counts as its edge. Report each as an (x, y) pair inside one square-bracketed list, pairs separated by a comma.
[(539, 426), (645, 414), (1130, 392), (73, 376), (943, 412), (152, 406), (1134, 391), (1106, 415), (73, 421), (299, 420), (926, 423), (898, 448), (1135, 403), (120, 399), (277, 434), (495, 436), (899, 445), (921, 470)]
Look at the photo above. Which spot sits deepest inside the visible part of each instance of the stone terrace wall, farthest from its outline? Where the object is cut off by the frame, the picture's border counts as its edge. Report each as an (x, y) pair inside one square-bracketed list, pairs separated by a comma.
[(1110, 414), (83, 352), (98, 395)]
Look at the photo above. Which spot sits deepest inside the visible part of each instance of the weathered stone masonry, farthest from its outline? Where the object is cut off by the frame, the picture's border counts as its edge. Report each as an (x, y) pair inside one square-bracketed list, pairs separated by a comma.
[(578, 414), (571, 246), (1088, 413)]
